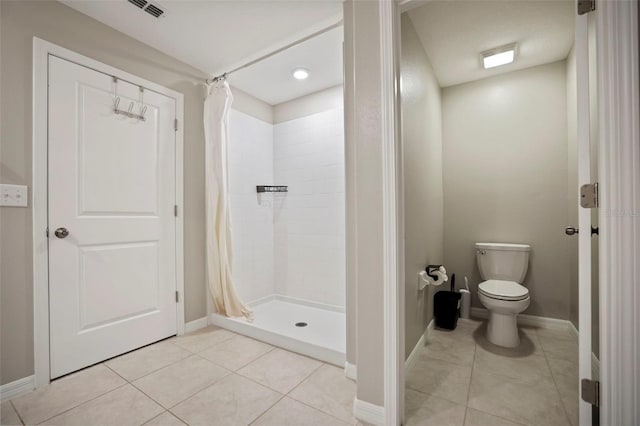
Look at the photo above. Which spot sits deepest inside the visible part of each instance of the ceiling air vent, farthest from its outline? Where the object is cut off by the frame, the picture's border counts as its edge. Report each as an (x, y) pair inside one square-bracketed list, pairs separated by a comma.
[(140, 3), (152, 9)]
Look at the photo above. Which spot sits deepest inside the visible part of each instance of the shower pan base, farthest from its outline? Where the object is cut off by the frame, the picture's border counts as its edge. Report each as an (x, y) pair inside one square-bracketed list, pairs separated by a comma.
[(278, 321)]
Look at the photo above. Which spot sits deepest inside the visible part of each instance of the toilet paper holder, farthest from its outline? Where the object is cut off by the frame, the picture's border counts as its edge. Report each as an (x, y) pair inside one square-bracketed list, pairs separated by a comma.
[(434, 275)]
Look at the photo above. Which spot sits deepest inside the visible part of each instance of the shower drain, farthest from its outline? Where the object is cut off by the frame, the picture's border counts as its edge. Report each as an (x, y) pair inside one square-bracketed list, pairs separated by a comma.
[(301, 324)]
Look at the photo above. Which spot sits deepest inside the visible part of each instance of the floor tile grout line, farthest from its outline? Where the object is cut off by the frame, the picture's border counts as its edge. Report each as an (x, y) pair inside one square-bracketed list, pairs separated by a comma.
[(276, 390), (257, 383), (84, 402), (206, 348), (243, 365), (316, 409), (475, 351), (183, 400), (153, 418), (435, 395), (269, 408), (16, 411), (555, 382), (497, 416), (307, 377), (308, 405), (150, 372), (191, 353)]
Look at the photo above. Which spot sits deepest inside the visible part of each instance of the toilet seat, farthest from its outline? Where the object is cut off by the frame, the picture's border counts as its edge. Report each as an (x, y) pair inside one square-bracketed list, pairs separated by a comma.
[(503, 290)]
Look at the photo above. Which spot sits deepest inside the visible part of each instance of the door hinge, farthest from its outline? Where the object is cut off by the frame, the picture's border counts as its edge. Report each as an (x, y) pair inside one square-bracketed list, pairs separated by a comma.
[(586, 6), (177, 297), (175, 124), (589, 196), (175, 210), (46, 232), (591, 392)]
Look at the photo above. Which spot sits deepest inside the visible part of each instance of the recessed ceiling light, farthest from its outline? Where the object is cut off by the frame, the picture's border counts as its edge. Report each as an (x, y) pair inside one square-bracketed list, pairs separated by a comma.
[(300, 73), (499, 56)]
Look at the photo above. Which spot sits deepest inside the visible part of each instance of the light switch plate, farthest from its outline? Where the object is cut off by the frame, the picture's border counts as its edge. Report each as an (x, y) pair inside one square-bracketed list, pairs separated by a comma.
[(13, 195)]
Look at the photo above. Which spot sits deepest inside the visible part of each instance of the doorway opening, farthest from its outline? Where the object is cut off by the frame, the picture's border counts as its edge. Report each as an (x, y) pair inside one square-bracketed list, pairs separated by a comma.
[(490, 174)]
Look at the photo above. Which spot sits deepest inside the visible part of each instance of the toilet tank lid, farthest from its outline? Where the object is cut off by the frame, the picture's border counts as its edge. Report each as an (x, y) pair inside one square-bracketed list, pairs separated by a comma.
[(503, 246)]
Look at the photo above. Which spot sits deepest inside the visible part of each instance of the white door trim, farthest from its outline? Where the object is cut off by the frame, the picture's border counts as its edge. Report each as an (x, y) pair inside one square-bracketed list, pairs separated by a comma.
[(619, 213), (581, 46), (41, 51), (391, 223)]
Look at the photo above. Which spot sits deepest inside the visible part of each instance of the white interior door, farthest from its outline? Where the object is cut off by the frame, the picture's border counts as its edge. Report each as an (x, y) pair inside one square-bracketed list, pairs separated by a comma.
[(112, 279), (585, 47)]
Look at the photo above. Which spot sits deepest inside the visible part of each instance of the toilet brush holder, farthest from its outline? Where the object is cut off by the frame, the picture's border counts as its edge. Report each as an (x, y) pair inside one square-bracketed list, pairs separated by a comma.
[(465, 303)]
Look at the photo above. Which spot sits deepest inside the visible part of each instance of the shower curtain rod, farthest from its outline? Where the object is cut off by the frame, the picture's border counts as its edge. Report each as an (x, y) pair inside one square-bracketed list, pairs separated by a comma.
[(275, 52)]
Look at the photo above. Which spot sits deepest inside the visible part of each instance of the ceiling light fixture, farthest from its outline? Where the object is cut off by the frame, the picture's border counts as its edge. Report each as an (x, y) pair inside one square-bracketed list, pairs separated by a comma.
[(499, 56), (300, 73)]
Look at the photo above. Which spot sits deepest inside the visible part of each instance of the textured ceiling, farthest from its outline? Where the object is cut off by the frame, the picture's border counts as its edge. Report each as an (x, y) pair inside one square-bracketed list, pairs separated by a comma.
[(454, 33)]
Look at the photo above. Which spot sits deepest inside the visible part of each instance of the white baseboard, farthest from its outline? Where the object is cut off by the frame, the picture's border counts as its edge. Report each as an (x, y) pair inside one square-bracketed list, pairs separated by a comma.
[(350, 371), (18, 388), (531, 320), (574, 330), (411, 359), (430, 327), (595, 362), (367, 412), (196, 324)]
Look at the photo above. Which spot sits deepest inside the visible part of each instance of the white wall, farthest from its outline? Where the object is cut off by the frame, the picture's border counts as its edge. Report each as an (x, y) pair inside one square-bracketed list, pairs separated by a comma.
[(310, 218), (505, 177), (251, 164)]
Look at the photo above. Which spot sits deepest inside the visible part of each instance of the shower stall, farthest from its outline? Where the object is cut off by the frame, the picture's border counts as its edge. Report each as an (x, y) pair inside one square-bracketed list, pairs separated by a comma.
[(287, 202)]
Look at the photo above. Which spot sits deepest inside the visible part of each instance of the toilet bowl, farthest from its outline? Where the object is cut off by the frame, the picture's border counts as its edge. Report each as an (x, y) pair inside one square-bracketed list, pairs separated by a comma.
[(503, 267), (504, 301)]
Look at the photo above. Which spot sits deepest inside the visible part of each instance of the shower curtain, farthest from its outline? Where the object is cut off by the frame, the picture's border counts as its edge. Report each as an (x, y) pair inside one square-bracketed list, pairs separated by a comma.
[(216, 132)]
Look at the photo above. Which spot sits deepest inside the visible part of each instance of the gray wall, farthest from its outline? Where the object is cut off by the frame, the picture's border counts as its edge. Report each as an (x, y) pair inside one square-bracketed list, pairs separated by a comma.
[(364, 198), (505, 177), (422, 172), (242, 101), (54, 22)]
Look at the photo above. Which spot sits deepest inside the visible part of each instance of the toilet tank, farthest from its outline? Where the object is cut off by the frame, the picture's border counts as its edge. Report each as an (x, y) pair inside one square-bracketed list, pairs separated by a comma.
[(501, 261)]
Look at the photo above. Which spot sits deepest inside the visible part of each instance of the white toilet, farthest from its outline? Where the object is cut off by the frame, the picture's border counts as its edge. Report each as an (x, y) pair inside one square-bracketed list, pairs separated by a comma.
[(503, 267)]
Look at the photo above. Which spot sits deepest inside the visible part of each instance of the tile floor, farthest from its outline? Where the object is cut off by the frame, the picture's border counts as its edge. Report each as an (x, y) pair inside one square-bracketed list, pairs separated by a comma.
[(209, 377), (459, 378), (215, 377)]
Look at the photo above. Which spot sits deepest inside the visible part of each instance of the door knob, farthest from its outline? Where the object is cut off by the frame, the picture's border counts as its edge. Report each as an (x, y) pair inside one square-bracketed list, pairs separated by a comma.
[(61, 232), (570, 230)]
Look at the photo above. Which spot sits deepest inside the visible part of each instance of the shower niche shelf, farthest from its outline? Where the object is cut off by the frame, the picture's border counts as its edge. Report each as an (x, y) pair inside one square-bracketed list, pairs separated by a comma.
[(271, 188)]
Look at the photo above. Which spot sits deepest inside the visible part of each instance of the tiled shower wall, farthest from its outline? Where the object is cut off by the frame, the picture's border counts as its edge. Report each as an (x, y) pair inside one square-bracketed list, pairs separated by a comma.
[(290, 244), (310, 220), (250, 164)]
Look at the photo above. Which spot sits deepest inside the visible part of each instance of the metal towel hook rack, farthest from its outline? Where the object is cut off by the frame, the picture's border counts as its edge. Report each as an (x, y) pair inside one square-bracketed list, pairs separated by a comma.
[(128, 113)]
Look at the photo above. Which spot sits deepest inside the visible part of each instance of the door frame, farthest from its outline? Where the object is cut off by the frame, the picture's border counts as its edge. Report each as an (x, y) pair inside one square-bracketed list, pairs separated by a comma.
[(618, 172), (41, 51)]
